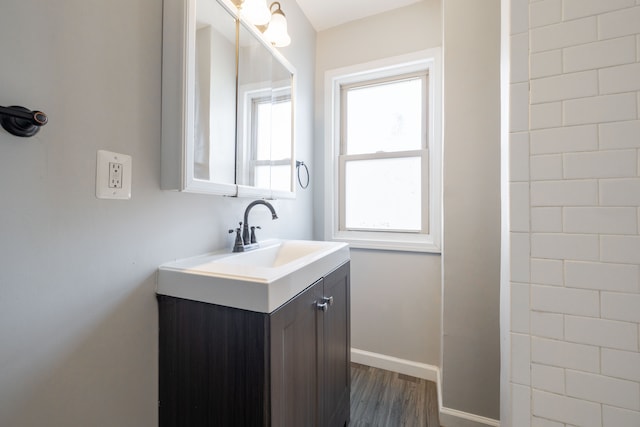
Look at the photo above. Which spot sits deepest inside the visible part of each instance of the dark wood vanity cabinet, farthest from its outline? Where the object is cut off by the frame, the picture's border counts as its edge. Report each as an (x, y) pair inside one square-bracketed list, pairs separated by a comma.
[(222, 366)]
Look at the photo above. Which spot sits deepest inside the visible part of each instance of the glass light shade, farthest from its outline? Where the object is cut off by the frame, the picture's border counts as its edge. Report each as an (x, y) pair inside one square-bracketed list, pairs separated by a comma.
[(255, 11), (276, 32)]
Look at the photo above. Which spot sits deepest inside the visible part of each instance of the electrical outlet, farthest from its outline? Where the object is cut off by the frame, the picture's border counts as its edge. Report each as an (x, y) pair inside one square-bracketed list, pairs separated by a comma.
[(113, 175)]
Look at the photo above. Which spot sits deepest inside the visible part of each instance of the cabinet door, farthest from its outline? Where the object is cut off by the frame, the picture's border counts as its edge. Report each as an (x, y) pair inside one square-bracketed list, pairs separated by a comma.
[(213, 365), (335, 352), (294, 346)]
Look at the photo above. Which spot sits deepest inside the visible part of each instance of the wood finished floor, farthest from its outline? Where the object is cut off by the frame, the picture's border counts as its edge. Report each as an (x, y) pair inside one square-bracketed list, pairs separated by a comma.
[(382, 398)]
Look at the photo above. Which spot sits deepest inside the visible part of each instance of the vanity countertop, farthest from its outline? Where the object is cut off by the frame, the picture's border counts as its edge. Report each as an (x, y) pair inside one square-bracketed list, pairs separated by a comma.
[(260, 280)]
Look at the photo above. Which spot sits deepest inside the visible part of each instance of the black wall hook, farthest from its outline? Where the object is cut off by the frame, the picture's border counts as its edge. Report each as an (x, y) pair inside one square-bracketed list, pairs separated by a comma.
[(20, 121)]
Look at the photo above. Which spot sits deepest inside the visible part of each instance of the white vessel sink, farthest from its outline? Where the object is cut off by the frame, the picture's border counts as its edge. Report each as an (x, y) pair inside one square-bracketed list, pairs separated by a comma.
[(260, 280)]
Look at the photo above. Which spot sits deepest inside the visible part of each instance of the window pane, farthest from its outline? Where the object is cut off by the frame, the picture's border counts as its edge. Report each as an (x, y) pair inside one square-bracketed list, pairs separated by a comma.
[(281, 131), (383, 194), (273, 129), (263, 130), (385, 117), (262, 176), (281, 177)]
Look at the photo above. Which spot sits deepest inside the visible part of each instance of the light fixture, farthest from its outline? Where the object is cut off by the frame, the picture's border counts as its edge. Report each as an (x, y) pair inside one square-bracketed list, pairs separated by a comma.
[(276, 32), (255, 11)]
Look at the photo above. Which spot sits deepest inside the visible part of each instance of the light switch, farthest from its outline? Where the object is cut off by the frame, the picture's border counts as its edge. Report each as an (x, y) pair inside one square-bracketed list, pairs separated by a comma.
[(113, 175)]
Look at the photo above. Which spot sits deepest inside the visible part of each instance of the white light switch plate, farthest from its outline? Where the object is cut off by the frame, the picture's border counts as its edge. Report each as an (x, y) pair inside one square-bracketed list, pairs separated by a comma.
[(113, 175)]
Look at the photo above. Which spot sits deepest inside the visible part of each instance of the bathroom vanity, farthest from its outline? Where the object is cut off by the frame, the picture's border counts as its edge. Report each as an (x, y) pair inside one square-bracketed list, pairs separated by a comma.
[(270, 361)]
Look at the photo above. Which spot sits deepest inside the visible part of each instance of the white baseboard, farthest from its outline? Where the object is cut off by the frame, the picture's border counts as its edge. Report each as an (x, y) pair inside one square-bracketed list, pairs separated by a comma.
[(394, 364), (452, 417)]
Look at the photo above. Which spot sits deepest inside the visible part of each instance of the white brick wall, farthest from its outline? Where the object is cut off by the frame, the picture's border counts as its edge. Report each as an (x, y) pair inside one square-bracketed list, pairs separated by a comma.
[(566, 409), (601, 276), (575, 213), (520, 359), (603, 220), (558, 299), (620, 192), (600, 109), (545, 12), (616, 417), (621, 23), (562, 140), (565, 86), (545, 115), (521, 396), (519, 157), (602, 389), (519, 97), (541, 422), (564, 34), (600, 54), (546, 63), (519, 52), (579, 8), (619, 306), (565, 193), (519, 298), (600, 164), (546, 220), (546, 272), (548, 378), (620, 134), (565, 246), (624, 78), (546, 167), (563, 354), (601, 332), (520, 206), (547, 325), (623, 249), (621, 364)]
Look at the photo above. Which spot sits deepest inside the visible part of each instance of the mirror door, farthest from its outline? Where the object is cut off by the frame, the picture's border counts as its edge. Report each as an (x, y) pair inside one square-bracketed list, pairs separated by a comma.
[(227, 104), (265, 118)]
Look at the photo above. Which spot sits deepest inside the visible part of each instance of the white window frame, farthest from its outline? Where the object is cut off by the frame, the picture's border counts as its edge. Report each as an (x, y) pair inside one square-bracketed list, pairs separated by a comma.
[(429, 60), (276, 96), (246, 162)]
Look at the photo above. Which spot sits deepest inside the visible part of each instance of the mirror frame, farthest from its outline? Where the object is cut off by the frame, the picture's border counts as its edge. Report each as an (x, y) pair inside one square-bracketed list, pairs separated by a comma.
[(178, 104)]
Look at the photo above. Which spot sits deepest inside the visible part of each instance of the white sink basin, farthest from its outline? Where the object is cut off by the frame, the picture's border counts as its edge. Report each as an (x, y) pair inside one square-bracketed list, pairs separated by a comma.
[(260, 280)]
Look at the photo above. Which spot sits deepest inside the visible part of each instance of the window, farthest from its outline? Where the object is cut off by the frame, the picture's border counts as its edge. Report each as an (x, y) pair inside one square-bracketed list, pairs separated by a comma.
[(384, 152), (270, 151), (265, 138)]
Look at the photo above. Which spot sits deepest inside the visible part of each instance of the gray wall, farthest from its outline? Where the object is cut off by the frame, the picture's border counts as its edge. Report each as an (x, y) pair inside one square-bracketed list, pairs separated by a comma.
[(464, 287), (396, 296), (471, 255), (78, 319)]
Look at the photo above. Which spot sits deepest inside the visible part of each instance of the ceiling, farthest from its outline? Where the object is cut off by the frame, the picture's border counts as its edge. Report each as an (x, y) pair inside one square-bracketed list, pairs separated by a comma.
[(324, 14)]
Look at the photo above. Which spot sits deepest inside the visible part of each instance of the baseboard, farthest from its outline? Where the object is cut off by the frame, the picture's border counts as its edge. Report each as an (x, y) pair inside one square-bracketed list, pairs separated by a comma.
[(448, 417), (390, 363), (454, 418)]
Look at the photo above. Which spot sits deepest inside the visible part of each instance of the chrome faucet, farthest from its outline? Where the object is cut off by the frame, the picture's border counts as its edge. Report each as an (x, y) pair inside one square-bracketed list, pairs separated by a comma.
[(248, 240)]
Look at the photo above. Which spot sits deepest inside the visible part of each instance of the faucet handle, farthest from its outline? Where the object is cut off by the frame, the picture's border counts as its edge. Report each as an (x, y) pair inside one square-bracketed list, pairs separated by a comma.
[(238, 246), (253, 234)]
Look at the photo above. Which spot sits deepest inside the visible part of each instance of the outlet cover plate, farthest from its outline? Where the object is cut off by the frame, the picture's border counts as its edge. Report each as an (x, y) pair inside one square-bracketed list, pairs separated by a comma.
[(104, 175)]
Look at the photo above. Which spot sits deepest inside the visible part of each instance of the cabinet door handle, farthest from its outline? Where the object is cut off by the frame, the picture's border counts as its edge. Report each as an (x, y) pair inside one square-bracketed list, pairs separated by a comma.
[(326, 302)]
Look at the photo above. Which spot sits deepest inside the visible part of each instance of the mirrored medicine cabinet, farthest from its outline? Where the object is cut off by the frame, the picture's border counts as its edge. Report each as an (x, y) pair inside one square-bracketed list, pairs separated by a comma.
[(227, 104)]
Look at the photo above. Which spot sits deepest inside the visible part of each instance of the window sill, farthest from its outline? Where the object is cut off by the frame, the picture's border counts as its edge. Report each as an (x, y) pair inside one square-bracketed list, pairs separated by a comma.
[(410, 243)]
